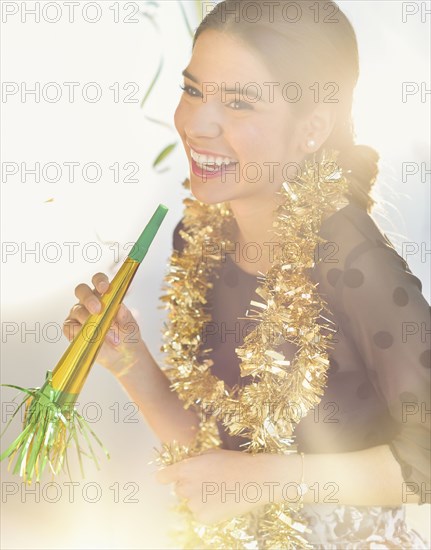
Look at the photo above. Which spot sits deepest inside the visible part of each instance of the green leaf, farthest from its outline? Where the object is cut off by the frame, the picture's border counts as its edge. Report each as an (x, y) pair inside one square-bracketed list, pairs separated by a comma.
[(151, 20), (153, 83), (149, 16), (160, 123), (165, 153)]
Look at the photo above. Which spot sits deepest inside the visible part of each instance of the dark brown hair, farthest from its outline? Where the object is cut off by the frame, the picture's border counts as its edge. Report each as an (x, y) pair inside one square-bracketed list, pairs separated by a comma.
[(307, 42)]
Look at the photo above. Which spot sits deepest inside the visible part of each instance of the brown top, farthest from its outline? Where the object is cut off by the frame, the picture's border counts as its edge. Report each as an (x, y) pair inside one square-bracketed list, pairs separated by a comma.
[(378, 388)]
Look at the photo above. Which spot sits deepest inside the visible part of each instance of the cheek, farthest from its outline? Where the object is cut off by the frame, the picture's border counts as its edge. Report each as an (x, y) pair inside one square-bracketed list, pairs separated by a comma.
[(273, 142), (180, 117), (245, 139), (262, 142), (264, 137)]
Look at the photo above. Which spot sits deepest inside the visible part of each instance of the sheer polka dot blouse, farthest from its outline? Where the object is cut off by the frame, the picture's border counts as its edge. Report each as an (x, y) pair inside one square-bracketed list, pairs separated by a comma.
[(378, 388)]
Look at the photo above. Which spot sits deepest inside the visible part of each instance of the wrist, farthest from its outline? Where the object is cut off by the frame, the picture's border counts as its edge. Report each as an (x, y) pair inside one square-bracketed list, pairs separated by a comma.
[(287, 475), (132, 359)]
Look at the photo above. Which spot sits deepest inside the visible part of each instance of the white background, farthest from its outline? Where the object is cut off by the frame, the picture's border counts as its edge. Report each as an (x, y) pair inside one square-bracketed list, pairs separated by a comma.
[(40, 291)]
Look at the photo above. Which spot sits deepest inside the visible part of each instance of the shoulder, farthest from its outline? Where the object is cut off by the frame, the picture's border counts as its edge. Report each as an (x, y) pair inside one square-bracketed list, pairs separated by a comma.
[(354, 231), (354, 247)]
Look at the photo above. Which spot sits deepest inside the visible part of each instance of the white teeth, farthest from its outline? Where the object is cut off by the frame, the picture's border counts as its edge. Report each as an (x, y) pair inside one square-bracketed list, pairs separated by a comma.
[(209, 160)]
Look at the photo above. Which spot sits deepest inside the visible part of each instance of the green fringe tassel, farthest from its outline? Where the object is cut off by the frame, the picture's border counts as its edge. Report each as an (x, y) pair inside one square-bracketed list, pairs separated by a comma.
[(51, 423)]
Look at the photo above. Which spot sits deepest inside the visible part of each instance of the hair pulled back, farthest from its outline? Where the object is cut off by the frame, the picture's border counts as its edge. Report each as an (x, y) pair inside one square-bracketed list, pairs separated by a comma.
[(307, 42)]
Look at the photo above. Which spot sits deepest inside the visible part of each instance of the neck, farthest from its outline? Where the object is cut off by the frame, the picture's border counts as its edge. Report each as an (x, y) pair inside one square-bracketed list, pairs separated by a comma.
[(254, 219)]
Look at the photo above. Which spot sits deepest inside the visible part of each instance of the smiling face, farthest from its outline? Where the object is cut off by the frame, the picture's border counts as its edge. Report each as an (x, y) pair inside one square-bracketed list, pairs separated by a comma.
[(219, 128)]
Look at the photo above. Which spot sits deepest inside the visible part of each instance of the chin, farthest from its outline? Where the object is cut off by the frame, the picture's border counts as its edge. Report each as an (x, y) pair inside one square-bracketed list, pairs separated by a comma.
[(210, 192)]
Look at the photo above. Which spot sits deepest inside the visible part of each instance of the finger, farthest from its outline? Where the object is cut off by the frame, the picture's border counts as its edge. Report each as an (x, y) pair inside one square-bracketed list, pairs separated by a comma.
[(113, 334), (125, 319), (71, 328), (79, 313), (88, 298), (169, 474), (100, 282)]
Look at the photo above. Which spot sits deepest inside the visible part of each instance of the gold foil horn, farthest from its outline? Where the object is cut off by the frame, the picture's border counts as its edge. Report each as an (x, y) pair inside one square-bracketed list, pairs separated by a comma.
[(51, 421)]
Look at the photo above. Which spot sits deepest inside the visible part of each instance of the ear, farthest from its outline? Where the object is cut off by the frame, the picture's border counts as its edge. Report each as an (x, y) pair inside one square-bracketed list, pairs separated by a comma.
[(316, 128)]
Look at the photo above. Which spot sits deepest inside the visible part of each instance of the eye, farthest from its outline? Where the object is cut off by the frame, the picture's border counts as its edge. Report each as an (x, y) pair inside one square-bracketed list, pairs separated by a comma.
[(239, 106), (191, 91)]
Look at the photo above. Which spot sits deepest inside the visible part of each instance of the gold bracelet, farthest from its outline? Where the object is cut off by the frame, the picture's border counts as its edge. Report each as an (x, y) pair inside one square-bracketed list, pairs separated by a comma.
[(302, 485)]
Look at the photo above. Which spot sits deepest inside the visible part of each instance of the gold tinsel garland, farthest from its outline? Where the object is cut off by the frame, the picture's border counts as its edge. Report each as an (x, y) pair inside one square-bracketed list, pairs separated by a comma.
[(290, 307)]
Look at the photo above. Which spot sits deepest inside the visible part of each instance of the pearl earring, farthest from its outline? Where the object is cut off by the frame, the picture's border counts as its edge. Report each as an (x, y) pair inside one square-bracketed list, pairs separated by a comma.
[(311, 144)]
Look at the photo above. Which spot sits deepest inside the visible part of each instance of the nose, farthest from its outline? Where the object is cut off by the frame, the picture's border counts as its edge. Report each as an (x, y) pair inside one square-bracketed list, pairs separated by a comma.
[(204, 121)]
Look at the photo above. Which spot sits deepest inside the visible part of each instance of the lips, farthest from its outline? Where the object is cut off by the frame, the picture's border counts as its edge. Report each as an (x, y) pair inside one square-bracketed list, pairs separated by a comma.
[(209, 165)]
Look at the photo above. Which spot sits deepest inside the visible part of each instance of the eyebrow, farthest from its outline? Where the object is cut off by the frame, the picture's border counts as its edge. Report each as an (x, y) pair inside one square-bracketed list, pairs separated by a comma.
[(190, 76), (251, 94)]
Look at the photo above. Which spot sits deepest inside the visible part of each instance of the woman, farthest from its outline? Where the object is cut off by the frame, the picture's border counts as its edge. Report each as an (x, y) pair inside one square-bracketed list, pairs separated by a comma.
[(270, 85)]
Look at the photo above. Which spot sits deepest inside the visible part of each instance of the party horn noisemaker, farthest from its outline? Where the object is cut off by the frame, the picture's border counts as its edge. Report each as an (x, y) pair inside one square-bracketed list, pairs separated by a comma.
[(51, 421)]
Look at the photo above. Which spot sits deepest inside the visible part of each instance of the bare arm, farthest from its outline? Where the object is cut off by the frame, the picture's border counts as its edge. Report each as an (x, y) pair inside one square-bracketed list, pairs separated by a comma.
[(126, 356), (370, 477), (148, 387), (220, 484)]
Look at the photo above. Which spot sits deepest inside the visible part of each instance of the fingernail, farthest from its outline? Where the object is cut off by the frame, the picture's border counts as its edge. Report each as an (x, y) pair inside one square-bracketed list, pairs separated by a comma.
[(103, 286), (94, 306)]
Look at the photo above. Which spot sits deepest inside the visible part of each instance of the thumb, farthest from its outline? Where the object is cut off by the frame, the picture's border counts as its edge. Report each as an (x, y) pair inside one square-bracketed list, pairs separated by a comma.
[(127, 323)]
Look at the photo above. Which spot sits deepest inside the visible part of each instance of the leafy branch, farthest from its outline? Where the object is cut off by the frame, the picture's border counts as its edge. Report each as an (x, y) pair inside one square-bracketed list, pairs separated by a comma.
[(168, 149)]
